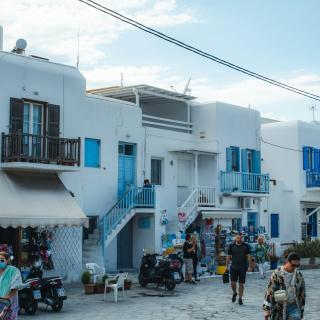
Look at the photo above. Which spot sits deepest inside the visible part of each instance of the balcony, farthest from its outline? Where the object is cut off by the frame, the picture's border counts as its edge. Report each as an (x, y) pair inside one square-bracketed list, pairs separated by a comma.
[(313, 179), (244, 182), (30, 152)]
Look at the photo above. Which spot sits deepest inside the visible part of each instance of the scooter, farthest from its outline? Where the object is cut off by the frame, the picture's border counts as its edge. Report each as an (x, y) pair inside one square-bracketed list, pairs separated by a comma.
[(52, 291), (29, 295), (176, 265), (158, 272)]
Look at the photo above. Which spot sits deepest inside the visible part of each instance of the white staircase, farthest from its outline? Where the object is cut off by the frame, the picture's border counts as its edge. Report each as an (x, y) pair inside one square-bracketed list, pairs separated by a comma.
[(199, 198)]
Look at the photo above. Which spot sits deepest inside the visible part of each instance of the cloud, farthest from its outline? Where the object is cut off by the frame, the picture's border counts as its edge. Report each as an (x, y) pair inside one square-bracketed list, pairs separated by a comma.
[(52, 27)]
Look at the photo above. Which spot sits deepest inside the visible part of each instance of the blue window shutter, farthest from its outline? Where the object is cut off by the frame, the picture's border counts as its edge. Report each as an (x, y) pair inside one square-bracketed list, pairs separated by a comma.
[(256, 161), (238, 157), (305, 151), (244, 159), (229, 159), (274, 225), (92, 153), (316, 164)]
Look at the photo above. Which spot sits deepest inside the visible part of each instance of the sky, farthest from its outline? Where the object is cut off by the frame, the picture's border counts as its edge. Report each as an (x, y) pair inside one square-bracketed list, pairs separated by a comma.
[(276, 38)]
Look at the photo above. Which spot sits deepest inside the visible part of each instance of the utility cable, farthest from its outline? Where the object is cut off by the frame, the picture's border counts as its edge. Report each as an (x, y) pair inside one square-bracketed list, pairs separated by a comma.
[(167, 38), (281, 147)]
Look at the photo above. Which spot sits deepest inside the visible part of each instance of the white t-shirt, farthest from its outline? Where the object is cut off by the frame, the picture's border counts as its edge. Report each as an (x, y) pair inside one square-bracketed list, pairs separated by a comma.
[(290, 289)]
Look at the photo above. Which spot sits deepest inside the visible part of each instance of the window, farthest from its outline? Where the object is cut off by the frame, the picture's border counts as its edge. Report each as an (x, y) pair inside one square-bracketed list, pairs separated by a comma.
[(250, 161), (92, 153), (311, 159), (274, 225), (126, 149), (156, 171)]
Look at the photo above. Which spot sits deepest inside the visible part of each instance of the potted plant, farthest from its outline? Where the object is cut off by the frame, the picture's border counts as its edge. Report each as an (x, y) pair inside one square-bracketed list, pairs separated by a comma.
[(127, 284), (85, 279)]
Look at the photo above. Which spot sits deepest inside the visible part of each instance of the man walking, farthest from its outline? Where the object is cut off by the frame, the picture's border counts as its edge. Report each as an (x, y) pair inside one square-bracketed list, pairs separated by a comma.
[(262, 250), (286, 293), (188, 252), (239, 255)]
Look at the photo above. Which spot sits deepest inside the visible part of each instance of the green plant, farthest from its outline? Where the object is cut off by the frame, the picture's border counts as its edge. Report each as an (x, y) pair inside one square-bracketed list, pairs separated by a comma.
[(104, 278), (85, 278), (306, 249)]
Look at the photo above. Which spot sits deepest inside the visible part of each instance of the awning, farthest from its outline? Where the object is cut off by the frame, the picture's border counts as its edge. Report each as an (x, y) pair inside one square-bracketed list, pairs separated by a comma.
[(221, 214), (35, 200)]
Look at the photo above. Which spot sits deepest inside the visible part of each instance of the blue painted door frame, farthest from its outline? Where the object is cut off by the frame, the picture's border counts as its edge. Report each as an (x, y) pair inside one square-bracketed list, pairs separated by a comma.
[(274, 225), (313, 223), (126, 167)]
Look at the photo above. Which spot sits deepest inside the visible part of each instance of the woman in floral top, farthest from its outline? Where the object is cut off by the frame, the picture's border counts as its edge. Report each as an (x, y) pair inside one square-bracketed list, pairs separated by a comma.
[(290, 279), (262, 250), (10, 281)]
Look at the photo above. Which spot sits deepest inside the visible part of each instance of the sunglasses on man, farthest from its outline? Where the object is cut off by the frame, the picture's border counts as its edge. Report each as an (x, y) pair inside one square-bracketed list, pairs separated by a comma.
[(3, 260)]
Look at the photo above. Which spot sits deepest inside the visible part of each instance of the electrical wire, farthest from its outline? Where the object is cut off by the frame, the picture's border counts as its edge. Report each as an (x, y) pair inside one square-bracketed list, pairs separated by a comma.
[(167, 38), (281, 147)]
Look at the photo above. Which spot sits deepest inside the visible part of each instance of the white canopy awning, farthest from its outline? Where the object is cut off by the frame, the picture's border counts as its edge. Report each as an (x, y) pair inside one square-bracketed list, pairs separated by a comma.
[(221, 214), (35, 200)]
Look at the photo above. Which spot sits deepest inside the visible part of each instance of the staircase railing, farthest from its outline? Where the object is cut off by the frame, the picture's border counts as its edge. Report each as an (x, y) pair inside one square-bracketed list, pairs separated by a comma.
[(136, 197), (199, 197)]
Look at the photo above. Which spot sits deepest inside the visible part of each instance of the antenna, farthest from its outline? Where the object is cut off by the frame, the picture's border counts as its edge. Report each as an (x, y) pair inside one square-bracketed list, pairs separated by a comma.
[(186, 88), (313, 109), (121, 79), (78, 53)]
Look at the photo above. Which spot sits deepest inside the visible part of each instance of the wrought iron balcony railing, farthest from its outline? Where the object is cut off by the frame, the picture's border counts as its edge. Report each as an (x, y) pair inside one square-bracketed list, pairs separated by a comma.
[(25, 147)]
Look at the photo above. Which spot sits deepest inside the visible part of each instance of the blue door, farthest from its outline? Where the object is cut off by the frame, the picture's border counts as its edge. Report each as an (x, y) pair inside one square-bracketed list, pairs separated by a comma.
[(126, 167), (274, 225), (312, 223)]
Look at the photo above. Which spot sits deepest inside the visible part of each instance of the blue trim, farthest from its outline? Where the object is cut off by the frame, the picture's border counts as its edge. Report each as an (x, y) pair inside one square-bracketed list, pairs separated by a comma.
[(92, 153), (229, 159), (256, 161), (316, 159)]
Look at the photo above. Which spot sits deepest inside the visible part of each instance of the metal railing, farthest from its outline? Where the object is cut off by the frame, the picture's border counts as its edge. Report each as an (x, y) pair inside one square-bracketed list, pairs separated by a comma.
[(244, 182), (313, 179), (25, 147), (136, 197), (199, 197), (166, 123)]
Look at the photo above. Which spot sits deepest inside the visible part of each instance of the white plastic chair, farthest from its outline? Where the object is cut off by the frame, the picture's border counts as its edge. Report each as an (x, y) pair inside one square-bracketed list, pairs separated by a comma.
[(120, 277), (95, 270)]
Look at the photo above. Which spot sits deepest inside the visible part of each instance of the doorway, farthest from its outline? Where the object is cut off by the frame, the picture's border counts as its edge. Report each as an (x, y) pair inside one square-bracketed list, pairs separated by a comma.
[(126, 167), (124, 247), (184, 179)]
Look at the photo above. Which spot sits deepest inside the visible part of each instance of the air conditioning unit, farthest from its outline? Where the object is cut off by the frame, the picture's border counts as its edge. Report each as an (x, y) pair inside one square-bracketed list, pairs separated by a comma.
[(246, 203)]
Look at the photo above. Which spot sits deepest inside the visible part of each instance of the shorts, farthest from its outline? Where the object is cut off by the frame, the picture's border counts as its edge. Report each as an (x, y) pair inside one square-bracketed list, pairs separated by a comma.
[(189, 265), (293, 312), (236, 275)]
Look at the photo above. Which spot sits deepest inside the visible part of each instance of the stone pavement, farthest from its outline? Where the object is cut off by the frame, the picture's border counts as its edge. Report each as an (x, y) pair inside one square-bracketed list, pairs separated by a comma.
[(210, 299)]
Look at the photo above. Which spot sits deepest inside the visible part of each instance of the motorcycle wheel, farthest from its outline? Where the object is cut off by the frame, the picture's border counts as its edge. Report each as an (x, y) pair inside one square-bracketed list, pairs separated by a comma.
[(170, 284), (31, 308), (57, 306), (143, 283)]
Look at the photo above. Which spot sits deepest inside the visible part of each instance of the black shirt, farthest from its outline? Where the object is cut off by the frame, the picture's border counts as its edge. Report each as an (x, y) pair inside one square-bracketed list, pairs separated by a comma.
[(187, 246), (239, 254)]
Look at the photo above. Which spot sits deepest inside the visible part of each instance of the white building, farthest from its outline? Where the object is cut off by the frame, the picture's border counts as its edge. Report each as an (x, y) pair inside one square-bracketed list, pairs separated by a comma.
[(291, 153), (67, 153)]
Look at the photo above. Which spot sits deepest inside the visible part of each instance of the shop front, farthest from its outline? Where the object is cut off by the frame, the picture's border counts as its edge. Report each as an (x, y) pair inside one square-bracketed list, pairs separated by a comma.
[(40, 222)]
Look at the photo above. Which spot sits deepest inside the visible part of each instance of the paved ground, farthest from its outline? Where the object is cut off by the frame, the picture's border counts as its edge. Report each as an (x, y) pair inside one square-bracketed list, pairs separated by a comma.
[(208, 300)]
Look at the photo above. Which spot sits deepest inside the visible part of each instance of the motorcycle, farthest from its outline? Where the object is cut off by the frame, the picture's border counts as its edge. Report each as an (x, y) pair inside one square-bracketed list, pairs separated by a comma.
[(176, 265), (158, 272), (52, 291), (29, 295)]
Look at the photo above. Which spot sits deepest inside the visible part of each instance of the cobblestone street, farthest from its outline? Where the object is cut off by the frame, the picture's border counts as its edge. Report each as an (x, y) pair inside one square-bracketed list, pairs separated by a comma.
[(210, 299)]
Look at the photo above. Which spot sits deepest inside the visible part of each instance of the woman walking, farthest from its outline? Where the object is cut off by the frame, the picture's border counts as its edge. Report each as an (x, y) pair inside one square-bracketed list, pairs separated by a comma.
[(262, 250), (10, 281)]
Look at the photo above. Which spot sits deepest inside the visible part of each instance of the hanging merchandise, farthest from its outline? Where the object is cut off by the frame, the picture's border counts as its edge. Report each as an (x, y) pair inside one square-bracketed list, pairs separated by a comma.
[(164, 219)]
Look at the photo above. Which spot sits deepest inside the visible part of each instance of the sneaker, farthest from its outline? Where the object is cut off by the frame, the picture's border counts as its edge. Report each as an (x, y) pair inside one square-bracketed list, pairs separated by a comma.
[(234, 297), (240, 302)]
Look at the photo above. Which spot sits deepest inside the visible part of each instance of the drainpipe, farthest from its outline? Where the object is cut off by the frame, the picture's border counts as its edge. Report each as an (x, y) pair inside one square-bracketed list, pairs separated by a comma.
[(196, 178)]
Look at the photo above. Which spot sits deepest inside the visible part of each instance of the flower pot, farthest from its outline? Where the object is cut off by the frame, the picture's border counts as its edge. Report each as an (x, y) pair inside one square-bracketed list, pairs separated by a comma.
[(127, 285), (89, 288), (99, 288)]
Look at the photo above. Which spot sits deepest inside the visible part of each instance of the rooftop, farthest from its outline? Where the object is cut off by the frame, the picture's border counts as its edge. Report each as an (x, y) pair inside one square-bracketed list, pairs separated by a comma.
[(147, 94)]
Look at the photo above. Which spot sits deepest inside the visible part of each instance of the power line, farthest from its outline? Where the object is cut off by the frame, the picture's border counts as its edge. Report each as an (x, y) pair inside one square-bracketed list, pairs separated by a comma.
[(278, 146), (167, 38)]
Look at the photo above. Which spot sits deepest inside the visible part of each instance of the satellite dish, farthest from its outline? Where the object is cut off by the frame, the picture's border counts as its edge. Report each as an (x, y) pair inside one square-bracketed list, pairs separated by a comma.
[(21, 44)]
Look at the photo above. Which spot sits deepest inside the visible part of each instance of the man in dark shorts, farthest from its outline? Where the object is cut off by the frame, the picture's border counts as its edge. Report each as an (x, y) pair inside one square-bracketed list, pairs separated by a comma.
[(239, 255)]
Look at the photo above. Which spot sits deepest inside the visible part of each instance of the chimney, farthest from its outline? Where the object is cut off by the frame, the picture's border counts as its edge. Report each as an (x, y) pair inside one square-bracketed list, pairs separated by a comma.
[(1, 38)]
